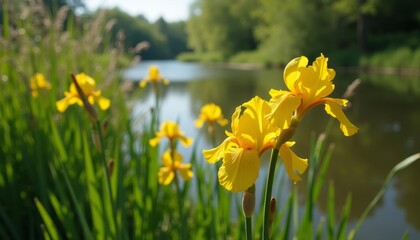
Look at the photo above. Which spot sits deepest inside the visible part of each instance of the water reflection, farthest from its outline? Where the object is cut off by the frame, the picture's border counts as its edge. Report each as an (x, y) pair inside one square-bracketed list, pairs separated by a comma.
[(389, 131)]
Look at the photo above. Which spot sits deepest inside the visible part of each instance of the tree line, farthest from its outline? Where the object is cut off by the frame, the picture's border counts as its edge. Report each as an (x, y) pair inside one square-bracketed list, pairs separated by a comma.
[(274, 31)]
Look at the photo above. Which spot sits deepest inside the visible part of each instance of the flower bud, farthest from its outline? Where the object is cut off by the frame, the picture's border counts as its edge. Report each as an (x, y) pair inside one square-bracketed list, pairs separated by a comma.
[(272, 211), (110, 166), (96, 141), (248, 202), (273, 206)]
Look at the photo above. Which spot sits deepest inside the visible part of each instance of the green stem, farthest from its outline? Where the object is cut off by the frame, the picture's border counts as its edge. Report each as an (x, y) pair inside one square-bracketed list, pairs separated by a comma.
[(285, 135), (269, 188), (180, 209), (107, 176), (248, 225)]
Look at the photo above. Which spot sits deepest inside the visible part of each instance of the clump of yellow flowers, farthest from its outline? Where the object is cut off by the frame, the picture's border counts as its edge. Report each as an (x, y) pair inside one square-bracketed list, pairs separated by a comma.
[(210, 113), (309, 86), (38, 82), (154, 77), (87, 86), (172, 159), (252, 134), (258, 125)]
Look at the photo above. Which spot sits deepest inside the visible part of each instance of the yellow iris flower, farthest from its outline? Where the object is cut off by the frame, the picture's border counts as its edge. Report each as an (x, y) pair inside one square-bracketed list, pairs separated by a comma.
[(171, 131), (309, 86), (38, 82), (154, 77), (87, 84), (168, 172), (210, 113), (251, 135)]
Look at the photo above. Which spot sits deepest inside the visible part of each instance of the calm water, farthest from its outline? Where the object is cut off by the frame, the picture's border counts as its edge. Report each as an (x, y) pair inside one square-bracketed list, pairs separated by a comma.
[(388, 118)]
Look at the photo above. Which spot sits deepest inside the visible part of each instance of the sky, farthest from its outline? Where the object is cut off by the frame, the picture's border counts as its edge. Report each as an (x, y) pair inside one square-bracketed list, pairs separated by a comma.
[(170, 10)]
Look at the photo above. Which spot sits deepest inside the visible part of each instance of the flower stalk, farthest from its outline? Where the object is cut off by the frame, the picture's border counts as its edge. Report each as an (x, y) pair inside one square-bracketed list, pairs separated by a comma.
[(285, 135), (94, 117), (248, 206)]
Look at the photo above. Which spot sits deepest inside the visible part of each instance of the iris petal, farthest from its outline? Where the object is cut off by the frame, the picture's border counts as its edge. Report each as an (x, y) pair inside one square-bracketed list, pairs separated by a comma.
[(333, 108), (199, 123), (291, 71), (239, 170), (165, 175), (293, 163), (154, 141), (184, 170), (62, 104), (104, 103), (215, 154), (283, 106)]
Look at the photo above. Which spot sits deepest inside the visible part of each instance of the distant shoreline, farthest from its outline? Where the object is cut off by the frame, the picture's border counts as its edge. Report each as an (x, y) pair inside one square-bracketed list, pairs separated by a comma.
[(348, 69)]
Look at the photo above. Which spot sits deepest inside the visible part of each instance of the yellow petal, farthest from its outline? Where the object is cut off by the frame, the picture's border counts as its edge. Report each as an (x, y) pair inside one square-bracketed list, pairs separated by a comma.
[(256, 124), (215, 154), (143, 82), (167, 159), (185, 141), (165, 81), (293, 163), (321, 67), (333, 108), (291, 71), (165, 175), (104, 103), (283, 104), (239, 170), (223, 122), (185, 171), (62, 104), (154, 141), (199, 123)]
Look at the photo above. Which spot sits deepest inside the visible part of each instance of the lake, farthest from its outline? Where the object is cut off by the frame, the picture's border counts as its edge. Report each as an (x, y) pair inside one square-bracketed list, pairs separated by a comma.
[(385, 108)]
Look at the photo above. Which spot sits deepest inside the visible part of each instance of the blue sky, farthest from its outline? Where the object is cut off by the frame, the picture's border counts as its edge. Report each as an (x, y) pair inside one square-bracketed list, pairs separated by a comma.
[(170, 10)]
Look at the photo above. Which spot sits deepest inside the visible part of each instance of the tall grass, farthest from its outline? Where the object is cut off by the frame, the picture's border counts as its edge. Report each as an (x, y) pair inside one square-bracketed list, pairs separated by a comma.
[(54, 166)]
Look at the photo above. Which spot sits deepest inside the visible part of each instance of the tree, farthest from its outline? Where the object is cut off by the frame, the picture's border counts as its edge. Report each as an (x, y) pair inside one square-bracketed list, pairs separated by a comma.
[(175, 35), (221, 27), (137, 30)]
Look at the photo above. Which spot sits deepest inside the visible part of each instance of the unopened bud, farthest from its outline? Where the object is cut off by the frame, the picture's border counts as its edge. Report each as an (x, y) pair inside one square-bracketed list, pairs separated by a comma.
[(272, 211), (285, 135), (96, 141), (248, 202), (110, 166), (105, 126), (273, 206)]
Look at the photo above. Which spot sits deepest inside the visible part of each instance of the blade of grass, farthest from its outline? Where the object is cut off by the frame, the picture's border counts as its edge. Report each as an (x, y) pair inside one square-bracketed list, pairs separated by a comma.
[(331, 211), (319, 230), (288, 220), (341, 232), (95, 199), (49, 223), (403, 164)]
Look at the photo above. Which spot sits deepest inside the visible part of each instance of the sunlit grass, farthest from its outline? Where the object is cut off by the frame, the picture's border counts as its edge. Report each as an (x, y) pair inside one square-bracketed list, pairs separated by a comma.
[(84, 175)]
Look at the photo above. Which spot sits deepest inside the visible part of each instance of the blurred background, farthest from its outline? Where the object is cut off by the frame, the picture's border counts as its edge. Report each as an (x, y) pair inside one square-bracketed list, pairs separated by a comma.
[(226, 52)]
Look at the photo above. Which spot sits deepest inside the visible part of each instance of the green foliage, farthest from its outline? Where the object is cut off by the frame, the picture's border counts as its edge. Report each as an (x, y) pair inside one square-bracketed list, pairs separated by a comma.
[(64, 177), (165, 40), (200, 57), (221, 27), (282, 29), (403, 57)]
